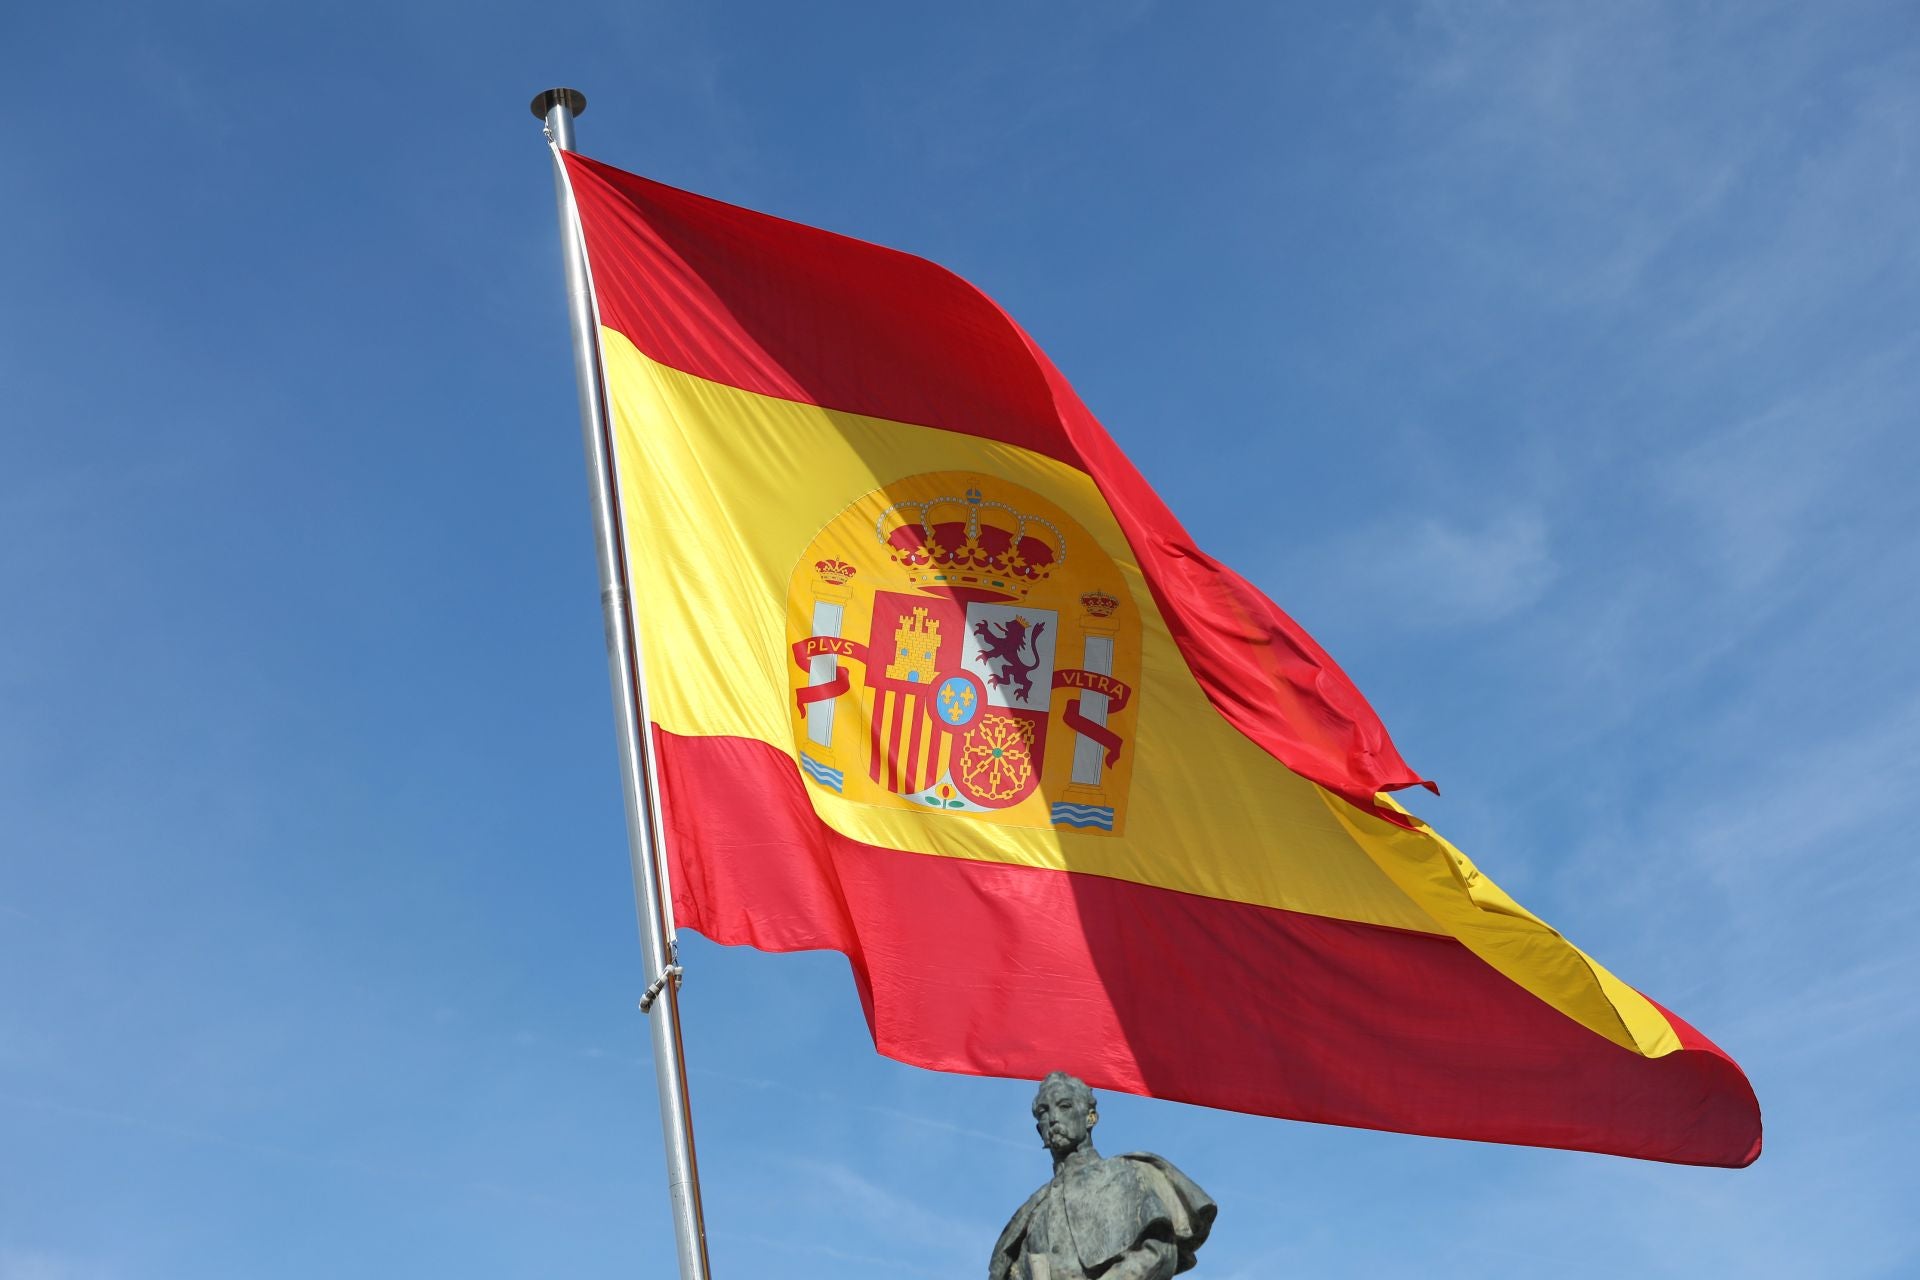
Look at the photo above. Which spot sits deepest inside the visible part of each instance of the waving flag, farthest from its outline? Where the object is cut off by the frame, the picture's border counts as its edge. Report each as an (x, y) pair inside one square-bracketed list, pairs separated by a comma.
[(937, 681)]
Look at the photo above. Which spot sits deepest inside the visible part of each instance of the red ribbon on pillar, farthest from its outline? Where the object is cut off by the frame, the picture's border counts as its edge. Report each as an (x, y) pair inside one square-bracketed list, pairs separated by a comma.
[(1117, 691), (1106, 737), (805, 651)]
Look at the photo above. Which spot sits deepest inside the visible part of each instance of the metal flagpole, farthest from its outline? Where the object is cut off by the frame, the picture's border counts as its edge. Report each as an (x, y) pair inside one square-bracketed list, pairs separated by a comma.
[(558, 107)]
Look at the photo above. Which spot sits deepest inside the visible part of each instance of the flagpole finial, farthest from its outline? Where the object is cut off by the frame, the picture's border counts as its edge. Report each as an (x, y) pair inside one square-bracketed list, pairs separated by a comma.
[(574, 101)]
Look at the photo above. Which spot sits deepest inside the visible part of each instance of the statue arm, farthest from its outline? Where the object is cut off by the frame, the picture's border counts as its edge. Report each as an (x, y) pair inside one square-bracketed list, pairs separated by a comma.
[(1006, 1250), (1149, 1260)]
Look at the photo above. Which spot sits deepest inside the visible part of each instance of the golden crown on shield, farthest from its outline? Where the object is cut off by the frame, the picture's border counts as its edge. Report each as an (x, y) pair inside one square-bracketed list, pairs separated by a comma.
[(971, 542)]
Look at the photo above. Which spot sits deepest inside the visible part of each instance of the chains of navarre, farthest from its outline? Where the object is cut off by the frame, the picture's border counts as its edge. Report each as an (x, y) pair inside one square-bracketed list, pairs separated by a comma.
[(962, 646)]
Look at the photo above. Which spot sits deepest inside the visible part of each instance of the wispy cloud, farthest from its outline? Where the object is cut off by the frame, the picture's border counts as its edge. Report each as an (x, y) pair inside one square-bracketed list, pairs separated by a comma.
[(887, 1213), (279, 1153), (1769, 486), (21, 1264), (1694, 222), (1429, 573), (1674, 215), (1597, 123), (774, 1247), (841, 1103)]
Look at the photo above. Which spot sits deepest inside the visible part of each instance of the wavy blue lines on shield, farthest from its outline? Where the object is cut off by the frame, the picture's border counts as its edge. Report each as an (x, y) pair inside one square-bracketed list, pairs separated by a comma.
[(834, 779), (1083, 815)]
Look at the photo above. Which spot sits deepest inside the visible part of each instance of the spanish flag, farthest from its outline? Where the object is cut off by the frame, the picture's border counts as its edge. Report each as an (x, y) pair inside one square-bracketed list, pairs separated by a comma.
[(937, 681)]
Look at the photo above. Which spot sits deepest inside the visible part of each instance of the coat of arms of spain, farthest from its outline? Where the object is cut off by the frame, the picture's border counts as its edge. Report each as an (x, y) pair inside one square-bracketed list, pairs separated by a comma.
[(961, 646)]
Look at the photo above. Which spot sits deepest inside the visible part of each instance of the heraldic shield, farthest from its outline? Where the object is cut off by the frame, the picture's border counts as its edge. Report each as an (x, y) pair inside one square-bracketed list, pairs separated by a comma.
[(961, 646)]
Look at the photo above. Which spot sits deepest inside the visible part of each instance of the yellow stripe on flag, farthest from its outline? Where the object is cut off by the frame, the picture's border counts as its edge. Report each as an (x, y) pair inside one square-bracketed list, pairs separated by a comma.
[(738, 485)]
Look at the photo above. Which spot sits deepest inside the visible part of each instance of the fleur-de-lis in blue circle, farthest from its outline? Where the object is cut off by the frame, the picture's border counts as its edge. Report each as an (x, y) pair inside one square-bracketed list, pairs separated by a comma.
[(957, 700)]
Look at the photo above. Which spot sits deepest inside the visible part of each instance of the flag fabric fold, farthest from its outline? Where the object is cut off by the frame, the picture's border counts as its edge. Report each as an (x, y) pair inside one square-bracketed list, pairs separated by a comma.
[(938, 681)]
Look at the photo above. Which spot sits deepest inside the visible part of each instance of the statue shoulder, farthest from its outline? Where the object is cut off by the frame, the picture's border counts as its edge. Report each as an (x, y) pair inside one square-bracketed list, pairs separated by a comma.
[(1189, 1211), (1186, 1189), (1007, 1247)]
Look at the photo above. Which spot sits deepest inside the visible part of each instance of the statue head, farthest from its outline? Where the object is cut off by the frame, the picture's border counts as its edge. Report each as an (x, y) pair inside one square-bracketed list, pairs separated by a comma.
[(1064, 1113)]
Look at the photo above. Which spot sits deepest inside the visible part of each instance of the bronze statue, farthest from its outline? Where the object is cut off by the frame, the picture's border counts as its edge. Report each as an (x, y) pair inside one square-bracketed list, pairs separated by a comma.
[(1131, 1217)]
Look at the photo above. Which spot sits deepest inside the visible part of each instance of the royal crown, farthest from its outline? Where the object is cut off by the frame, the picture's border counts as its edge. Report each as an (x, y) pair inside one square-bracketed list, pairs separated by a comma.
[(971, 543), (1099, 604), (835, 572)]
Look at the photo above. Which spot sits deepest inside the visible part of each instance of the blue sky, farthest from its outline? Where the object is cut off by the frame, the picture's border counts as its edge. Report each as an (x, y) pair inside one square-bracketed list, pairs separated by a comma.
[(1554, 363)]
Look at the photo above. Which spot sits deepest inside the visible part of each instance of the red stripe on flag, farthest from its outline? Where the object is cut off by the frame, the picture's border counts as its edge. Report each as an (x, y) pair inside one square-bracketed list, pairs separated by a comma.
[(899, 710), (790, 311), (910, 770), (1002, 970)]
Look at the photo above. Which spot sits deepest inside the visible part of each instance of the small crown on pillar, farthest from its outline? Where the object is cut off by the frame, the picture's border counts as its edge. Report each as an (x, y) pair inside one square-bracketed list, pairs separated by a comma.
[(972, 543), (1099, 604), (834, 572)]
